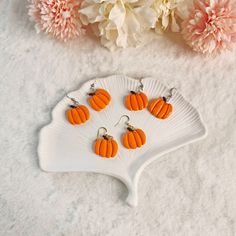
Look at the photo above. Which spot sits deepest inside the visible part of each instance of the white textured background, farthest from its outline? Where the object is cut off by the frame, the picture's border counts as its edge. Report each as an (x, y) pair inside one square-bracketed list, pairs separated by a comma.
[(191, 191)]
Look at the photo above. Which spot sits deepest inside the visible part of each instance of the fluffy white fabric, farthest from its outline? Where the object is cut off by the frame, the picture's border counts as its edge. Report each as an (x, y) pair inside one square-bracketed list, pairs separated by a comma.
[(188, 192)]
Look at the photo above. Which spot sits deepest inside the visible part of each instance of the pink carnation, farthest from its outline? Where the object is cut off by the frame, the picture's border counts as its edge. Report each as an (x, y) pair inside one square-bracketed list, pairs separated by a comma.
[(211, 26), (59, 18)]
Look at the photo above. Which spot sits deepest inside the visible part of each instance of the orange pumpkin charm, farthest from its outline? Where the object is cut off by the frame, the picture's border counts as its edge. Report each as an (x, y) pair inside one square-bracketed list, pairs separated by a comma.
[(99, 99), (134, 138), (77, 114), (136, 101), (160, 107), (105, 146)]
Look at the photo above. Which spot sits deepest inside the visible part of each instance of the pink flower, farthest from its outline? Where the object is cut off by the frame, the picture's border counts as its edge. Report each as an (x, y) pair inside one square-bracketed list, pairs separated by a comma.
[(211, 26), (59, 18)]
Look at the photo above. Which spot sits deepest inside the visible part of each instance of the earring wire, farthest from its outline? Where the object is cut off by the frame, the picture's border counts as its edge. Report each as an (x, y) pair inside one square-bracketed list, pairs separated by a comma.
[(171, 92), (73, 100), (98, 133), (140, 88), (127, 122)]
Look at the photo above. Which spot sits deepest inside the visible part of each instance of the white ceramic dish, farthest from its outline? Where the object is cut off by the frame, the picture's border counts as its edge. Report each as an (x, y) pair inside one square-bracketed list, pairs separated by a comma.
[(66, 148)]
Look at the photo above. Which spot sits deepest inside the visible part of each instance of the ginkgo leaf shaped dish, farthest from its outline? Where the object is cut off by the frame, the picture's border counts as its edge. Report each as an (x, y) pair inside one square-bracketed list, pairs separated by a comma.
[(67, 148)]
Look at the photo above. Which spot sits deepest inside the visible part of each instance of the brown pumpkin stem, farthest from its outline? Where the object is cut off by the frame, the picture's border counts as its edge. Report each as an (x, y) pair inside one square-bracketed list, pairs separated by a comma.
[(91, 94), (133, 92), (107, 137), (72, 106), (165, 99), (130, 129)]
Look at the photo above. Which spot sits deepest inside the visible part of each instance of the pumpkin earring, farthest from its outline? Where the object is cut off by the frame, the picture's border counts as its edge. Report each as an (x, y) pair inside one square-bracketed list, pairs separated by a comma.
[(133, 138), (105, 145), (77, 114), (136, 100), (160, 107), (99, 98)]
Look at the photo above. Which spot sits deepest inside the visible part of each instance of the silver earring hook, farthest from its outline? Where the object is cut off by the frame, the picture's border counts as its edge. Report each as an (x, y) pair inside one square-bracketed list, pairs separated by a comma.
[(76, 103), (92, 86), (128, 125), (171, 92), (127, 121), (140, 88), (101, 128)]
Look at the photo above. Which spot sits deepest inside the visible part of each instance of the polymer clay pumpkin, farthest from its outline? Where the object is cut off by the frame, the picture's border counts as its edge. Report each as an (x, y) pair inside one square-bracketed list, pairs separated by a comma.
[(136, 101), (133, 138), (106, 146), (160, 108), (99, 99), (77, 114)]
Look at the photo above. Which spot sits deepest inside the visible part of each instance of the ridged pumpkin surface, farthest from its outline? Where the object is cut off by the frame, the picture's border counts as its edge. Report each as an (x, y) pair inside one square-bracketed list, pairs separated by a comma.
[(134, 139), (99, 100), (160, 108), (78, 115), (105, 147), (136, 101)]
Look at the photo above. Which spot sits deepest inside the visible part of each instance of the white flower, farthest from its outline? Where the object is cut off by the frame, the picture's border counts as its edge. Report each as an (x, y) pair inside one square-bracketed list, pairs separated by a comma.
[(119, 22), (166, 12)]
